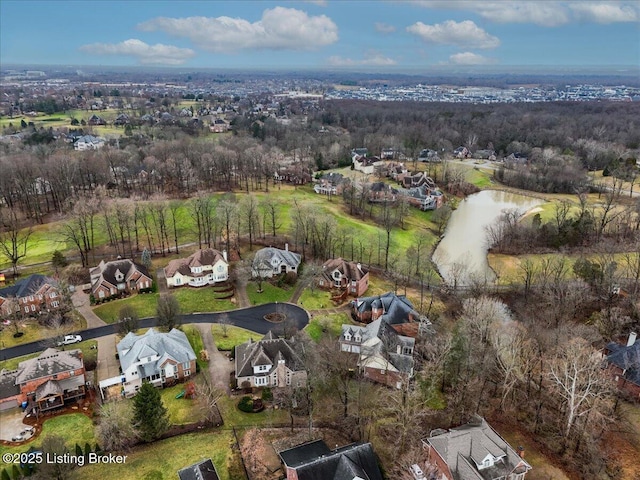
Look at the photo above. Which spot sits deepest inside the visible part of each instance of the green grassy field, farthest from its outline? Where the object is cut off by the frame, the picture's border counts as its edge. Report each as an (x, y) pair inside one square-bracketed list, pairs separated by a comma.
[(161, 460), (74, 428), (316, 300), (195, 340), (34, 332), (270, 293), (232, 416), (181, 410), (235, 336)]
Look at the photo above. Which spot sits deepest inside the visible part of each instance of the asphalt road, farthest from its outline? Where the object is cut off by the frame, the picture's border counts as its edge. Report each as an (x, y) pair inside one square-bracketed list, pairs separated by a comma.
[(251, 318)]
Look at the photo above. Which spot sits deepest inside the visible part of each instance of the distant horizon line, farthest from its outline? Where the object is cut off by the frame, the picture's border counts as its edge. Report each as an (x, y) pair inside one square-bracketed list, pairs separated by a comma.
[(530, 69)]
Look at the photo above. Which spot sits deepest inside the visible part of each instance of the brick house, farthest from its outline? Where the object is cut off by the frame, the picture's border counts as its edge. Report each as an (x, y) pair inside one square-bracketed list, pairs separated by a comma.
[(205, 267), (396, 310), (338, 273), (160, 358), (314, 460), (109, 279), (623, 364), (34, 294), (270, 362), (474, 451), (48, 381)]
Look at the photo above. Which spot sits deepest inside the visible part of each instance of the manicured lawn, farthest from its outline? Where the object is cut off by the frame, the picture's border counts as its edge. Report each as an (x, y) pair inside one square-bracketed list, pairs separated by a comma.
[(327, 324), (74, 428), (161, 460), (181, 410), (34, 332), (144, 304), (270, 293), (201, 300), (234, 417), (191, 300), (235, 336), (316, 300)]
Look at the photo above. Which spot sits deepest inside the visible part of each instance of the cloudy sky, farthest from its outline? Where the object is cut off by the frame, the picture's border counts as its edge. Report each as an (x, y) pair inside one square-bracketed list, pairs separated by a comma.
[(379, 35)]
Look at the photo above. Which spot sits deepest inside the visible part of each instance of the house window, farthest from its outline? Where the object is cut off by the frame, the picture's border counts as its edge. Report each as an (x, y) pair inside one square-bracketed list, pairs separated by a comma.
[(185, 365), (358, 338), (26, 308), (33, 308), (345, 347), (261, 381), (53, 295), (187, 373), (220, 268), (101, 294), (347, 337), (383, 371), (178, 281), (31, 298)]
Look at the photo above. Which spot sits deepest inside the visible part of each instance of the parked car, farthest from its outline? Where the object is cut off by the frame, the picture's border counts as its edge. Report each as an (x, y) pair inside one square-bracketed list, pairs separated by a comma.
[(69, 339)]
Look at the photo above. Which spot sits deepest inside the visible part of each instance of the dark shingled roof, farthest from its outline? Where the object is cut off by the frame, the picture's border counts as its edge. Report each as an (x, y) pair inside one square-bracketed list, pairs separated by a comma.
[(350, 270), (345, 463), (49, 362), (205, 470), (627, 358), (266, 351), (396, 307), (108, 271), (27, 286), (8, 387)]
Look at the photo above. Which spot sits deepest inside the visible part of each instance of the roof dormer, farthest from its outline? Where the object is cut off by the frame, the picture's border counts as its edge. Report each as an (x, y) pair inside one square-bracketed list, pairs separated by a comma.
[(119, 276)]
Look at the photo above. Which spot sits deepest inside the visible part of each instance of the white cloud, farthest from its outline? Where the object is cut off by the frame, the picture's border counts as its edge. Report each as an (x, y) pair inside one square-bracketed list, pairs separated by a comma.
[(546, 13), (462, 34), (146, 54), (279, 28), (604, 12), (384, 28), (469, 58), (369, 59), (322, 3)]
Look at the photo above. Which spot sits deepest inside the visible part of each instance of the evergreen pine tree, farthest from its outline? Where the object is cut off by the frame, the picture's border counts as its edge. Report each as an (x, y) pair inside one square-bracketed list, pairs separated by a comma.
[(149, 414)]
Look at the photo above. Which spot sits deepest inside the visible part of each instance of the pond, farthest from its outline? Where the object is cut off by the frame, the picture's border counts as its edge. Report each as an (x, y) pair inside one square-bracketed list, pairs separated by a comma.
[(461, 255)]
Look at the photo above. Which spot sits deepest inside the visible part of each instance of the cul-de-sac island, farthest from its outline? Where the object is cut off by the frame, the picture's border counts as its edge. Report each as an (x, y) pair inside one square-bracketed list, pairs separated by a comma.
[(321, 274)]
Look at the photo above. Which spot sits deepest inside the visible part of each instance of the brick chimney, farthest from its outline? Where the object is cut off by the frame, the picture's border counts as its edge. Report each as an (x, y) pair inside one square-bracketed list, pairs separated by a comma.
[(521, 451), (632, 339)]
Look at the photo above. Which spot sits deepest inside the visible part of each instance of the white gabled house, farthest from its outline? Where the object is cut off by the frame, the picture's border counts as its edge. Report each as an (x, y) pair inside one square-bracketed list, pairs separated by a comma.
[(204, 267)]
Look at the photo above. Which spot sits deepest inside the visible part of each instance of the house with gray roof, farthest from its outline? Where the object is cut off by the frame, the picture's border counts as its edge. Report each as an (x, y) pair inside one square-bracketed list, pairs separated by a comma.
[(160, 358), (110, 279), (315, 461), (88, 142), (52, 379), (270, 261), (384, 356), (204, 470), (205, 267), (623, 364), (474, 451), (270, 362), (396, 310)]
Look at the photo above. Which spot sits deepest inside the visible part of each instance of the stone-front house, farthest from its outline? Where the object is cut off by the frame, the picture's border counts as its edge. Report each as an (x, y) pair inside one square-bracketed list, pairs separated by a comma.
[(205, 267), (315, 461), (338, 273), (33, 294), (160, 358), (384, 356), (46, 382), (269, 262), (270, 362), (623, 364), (475, 451), (109, 279)]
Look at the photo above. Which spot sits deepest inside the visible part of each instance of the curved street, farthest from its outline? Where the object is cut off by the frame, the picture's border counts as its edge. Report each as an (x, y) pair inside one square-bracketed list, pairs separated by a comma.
[(251, 318)]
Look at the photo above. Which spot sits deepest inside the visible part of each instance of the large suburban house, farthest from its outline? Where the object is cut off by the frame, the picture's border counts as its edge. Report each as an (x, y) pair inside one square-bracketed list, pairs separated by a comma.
[(204, 267), (315, 461), (160, 358), (88, 142), (474, 451), (271, 261), (396, 310), (50, 380), (33, 294), (330, 184), (384, 356), (109, 279), (623, 364), (270, 362), (340, 274)]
